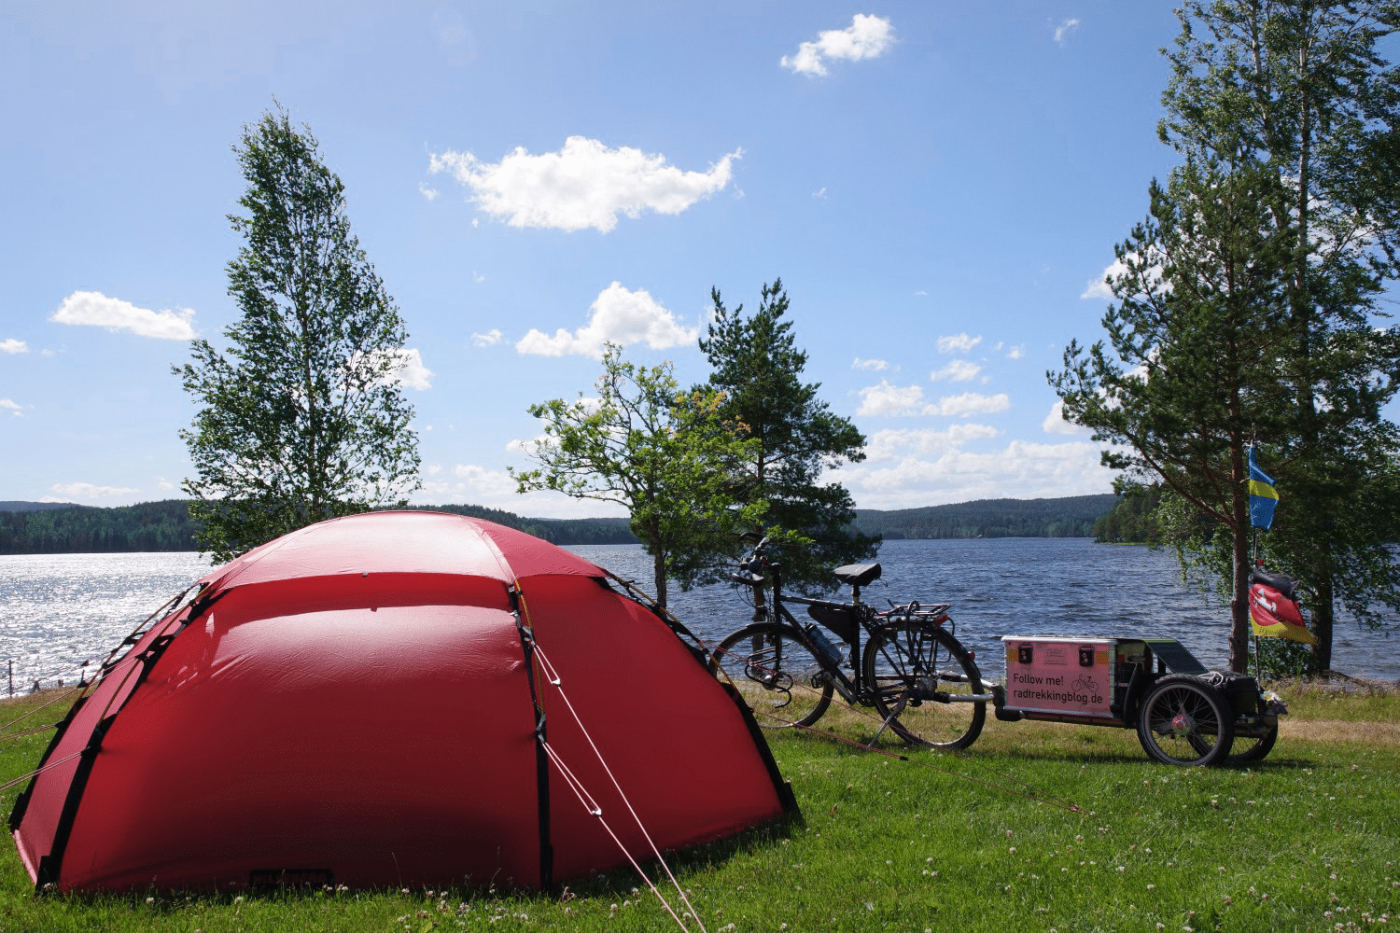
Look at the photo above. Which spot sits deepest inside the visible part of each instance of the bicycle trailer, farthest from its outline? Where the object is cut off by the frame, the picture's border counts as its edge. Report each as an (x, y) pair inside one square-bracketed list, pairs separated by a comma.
[(1184, 713)]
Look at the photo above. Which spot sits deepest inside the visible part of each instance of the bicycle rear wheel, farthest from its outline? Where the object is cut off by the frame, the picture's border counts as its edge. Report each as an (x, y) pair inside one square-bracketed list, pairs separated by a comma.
[(776, 674), (914, 669)]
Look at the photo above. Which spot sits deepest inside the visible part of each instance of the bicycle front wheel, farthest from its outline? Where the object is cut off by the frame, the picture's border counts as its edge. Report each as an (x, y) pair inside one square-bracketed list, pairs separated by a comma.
[(777, 674), (915, 672)]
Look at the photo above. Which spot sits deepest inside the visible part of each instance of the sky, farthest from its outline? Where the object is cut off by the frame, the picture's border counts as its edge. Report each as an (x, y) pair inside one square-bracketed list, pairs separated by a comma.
[(939, 185)]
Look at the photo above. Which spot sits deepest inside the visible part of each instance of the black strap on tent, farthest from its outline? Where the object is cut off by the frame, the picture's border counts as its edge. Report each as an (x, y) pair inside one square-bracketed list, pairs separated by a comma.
[(22, 801), (527, 644), (51, 865), (174, 606)]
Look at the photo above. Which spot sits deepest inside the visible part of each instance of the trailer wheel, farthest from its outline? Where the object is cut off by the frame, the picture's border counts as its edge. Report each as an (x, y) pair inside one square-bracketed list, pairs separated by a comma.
[(1248, 749), (1186, 722)]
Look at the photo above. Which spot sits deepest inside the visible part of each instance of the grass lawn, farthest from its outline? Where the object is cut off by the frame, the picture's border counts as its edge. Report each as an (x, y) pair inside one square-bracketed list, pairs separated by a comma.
[(1309, 839)]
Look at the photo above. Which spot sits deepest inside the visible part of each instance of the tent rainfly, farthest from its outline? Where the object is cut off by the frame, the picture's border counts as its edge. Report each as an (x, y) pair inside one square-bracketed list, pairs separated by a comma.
[(394, 698)]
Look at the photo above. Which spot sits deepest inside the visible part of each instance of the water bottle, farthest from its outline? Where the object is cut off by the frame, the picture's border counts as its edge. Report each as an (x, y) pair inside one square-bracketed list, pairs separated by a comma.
[(823, 644)]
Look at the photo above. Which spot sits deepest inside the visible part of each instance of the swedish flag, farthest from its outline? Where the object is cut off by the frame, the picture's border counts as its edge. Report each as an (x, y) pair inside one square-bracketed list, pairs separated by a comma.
[(1262, 496)]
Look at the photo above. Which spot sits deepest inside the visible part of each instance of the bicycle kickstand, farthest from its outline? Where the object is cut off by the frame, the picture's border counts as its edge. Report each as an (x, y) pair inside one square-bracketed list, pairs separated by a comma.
[(894, 714)]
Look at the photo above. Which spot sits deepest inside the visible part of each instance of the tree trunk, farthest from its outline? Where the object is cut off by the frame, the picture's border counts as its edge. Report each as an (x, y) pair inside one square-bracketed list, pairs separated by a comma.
[(658, 569), (1323, 619)]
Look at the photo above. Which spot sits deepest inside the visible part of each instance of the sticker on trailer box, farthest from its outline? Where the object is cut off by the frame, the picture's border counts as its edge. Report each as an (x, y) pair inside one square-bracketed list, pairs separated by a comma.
[(1059, 677)]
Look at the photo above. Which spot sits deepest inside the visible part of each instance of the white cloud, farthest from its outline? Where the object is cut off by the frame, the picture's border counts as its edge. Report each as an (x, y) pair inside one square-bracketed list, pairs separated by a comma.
[(1152, 274), (969, 403), (406, 368), (584, 184), (617, 316), (429, 193), (958, 343), (411, 372), (886, 399), (820, 193), (891, 444), (97, 310), (88, 491), (902, 401), (957, 371), (876, 365), (477, 277), (1055, 422), (12, 407), (166, 485), (1098, 288), (1065, 30), (467, 483), (1020, 470), (866, 37), (11, 345), (493, 483), (488, 339), (1015, 353)]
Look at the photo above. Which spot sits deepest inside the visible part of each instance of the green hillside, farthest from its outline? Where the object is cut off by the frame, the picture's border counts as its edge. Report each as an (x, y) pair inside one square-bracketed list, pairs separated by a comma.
[(1070, 517), (42, 528), (166, 526)]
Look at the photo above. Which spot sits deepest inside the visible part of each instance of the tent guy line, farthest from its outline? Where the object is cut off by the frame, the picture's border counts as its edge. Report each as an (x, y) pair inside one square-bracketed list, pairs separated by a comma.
[(558, 683)]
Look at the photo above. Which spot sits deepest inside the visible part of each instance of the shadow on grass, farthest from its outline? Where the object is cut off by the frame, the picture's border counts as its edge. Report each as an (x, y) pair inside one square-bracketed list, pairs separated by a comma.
[(616, 883)]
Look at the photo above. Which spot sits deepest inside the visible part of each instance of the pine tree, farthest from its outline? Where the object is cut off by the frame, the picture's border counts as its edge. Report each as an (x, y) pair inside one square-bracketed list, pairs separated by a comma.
[(1303, 88), (302, 418), (794, 438), (1292, 102), (1188, 373)]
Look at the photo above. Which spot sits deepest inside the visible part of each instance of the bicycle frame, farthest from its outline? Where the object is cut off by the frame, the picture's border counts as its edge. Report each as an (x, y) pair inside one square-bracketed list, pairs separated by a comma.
[(854, 690)]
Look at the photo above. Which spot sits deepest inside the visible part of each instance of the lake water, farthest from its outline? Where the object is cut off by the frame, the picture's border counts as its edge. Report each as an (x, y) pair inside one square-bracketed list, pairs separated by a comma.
[(58, 610)]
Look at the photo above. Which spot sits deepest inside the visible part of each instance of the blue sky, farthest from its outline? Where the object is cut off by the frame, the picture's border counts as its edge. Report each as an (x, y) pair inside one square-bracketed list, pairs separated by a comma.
[(938, 184)]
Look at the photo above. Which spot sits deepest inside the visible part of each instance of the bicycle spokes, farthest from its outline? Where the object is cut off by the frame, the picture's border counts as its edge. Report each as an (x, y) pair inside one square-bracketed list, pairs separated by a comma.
[(922, 683), (777, 675)]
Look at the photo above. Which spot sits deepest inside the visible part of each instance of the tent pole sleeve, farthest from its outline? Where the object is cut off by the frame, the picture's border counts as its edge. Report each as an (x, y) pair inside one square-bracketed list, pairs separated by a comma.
[(50, 866), (527, 644)]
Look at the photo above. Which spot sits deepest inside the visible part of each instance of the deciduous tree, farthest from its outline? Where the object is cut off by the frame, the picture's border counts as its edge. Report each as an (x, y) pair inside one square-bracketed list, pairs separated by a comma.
[(302, 417), (663, 453)]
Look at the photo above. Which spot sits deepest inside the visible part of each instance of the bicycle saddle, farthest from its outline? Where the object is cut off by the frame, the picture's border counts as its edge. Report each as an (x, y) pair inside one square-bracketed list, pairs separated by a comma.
[(858, 574)]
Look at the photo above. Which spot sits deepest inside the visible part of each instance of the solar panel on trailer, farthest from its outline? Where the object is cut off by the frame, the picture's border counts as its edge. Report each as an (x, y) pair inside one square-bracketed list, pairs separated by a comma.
[(1174, 654)]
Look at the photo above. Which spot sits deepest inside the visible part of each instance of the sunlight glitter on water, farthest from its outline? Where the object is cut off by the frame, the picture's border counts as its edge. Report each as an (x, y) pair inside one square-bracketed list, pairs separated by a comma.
[(57, 611)]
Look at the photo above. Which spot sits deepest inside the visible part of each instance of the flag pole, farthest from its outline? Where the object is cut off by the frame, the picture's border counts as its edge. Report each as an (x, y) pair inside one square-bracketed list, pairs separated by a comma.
[(1258, 661)]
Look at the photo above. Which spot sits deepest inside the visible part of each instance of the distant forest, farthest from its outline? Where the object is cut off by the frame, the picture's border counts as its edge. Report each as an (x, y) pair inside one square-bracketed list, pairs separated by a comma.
[(1070, 517), (48, 528), (42, 528)]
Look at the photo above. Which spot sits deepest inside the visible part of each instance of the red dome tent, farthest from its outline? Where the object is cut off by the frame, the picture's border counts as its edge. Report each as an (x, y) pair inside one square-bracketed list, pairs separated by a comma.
[(376, 700)]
